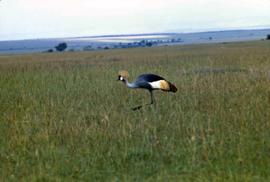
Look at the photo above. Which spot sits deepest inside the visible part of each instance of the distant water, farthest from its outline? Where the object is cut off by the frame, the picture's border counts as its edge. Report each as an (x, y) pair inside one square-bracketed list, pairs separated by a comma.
[(116, 39)]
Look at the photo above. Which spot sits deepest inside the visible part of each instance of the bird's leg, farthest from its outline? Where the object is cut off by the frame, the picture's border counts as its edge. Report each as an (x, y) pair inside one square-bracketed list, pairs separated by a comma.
[(152, 98), (152, 102)]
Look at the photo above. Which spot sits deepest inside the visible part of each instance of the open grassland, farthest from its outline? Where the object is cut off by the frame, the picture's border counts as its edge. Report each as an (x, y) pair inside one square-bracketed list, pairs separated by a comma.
[(63, 116)]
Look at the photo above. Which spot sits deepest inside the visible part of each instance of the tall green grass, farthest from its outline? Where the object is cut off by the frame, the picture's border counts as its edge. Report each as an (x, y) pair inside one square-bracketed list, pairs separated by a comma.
[(65, 117)]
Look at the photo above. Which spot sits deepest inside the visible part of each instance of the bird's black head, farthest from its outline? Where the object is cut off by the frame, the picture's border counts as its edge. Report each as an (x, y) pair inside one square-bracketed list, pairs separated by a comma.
[(122, 75), (120, 78)]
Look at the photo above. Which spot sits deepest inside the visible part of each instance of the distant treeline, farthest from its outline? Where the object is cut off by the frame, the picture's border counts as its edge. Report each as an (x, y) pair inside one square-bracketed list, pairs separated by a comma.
[(142, 43)]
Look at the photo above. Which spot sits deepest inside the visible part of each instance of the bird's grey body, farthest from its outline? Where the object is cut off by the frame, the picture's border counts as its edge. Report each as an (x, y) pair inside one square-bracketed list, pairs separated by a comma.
[(144, 80), (148, 81), (149, 78)]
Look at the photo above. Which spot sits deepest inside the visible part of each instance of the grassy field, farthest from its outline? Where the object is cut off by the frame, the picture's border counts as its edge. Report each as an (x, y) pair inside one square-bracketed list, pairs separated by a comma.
[(64, 117)]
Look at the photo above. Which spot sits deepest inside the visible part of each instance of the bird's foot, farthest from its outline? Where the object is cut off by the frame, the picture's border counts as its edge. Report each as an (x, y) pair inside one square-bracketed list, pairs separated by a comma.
[(137, 108)]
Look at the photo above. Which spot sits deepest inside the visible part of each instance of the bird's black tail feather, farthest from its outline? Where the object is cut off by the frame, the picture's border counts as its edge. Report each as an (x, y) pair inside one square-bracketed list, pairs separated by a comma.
[(172, 87)]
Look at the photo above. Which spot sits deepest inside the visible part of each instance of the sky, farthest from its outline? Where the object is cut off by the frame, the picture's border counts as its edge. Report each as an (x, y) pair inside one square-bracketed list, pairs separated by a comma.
[(33, 19)]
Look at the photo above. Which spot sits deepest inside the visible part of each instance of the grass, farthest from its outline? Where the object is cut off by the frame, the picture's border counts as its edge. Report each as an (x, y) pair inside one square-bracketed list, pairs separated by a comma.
[(64, 116)]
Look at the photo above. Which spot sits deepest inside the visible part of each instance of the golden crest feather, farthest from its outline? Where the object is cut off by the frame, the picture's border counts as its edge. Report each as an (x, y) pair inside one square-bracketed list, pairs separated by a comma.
[(123, 73)]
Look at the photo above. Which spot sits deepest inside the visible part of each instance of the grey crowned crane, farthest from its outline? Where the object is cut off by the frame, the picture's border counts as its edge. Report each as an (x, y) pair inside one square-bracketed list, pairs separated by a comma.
[(147, 81)]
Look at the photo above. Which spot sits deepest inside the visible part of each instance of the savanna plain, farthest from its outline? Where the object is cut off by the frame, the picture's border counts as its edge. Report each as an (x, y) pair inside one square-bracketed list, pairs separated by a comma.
[(64, 117)]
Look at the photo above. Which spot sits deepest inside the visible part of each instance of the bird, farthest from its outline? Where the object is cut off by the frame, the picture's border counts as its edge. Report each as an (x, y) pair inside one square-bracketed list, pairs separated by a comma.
[(149, 82)]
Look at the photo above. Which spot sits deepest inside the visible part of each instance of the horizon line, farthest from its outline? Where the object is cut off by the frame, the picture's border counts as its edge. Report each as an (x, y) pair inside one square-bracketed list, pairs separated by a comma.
[(146, 33)]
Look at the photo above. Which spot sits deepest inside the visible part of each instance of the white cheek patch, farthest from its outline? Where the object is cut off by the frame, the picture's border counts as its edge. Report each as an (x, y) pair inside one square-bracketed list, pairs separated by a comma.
[(155, 85), (121, 78)]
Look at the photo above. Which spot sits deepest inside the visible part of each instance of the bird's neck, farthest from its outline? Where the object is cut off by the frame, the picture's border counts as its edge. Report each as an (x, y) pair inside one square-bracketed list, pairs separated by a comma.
[(129, 85)]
